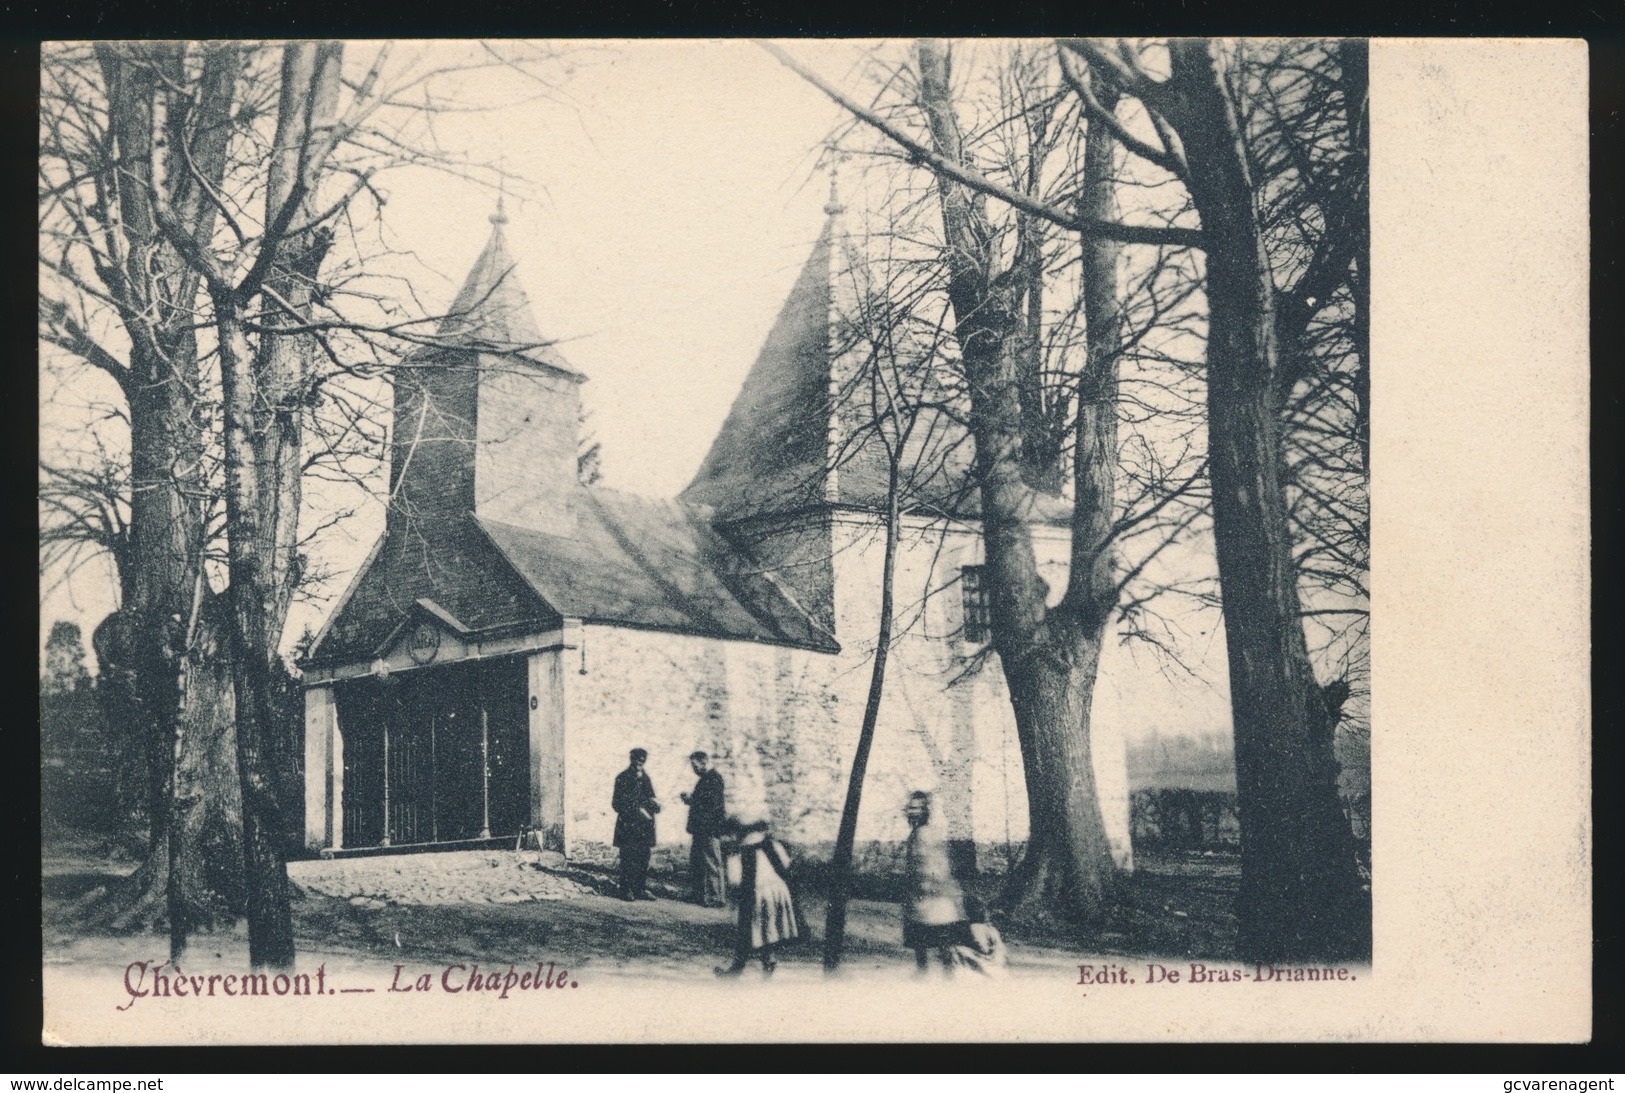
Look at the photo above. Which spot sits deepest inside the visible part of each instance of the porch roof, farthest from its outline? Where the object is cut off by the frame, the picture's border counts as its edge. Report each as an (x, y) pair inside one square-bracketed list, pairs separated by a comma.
[(628, 560)]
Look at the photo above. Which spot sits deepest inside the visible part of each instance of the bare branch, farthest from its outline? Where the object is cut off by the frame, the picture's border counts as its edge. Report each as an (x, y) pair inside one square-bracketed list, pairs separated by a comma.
[(1166, 158), (926, 157)]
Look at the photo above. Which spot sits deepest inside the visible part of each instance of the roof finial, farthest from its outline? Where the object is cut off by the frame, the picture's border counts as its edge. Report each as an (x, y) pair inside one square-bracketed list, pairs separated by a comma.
[(834, 208), (500, 217)]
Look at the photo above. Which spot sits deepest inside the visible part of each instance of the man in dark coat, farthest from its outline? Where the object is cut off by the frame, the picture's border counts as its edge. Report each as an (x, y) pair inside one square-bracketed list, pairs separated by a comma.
[(706, 813), (635, 806)]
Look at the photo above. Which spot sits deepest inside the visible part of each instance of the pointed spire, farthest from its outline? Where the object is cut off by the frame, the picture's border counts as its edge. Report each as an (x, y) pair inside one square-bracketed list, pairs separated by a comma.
[(834, 207), (491, 305), (785, 396), (824, 450), (492, 312), (500, 217)]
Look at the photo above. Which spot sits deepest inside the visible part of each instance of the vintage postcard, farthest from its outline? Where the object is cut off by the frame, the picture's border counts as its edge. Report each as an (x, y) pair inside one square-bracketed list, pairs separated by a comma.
[(814, 540)]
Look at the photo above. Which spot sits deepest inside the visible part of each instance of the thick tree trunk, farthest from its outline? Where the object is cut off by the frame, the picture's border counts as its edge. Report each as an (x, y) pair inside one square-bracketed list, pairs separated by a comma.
[(265, 836), (1049, 657), (1067, 869), (254, 596), (206, 821), (191, 876), (1065, 698), (1300, 896), (192, 879), (265, 389), (1068, 698)]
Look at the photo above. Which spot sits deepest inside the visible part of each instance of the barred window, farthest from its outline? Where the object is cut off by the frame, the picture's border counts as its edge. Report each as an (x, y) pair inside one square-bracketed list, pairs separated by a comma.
[(975, 595)]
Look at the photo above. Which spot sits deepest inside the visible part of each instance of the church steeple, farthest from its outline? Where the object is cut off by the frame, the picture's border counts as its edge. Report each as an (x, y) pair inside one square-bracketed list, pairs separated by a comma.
[(486, 420), (833, 207), (492, 312), (780, 449), (800, 436), (771, 452)]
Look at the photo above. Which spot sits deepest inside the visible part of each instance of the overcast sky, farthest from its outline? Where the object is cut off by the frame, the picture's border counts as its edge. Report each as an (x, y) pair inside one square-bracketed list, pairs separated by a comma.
[(677, 200)]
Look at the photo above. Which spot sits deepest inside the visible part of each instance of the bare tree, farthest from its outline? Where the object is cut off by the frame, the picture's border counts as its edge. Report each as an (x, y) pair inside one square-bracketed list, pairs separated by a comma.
[(1021, 403), (1300, 890), (1300, 895), (1050, 656), (190, 198), (1303, 106), (119, 297), (890, 401)]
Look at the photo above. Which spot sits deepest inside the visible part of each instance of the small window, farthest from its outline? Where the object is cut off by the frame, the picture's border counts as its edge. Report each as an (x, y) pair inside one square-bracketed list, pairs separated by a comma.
[(974, 589)]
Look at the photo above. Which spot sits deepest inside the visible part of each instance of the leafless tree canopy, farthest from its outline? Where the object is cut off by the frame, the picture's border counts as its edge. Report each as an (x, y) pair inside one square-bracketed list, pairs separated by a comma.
[(1226, 348), (213, 243)]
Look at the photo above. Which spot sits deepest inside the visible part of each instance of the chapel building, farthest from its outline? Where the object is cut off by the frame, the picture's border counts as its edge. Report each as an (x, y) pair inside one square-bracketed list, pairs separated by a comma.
[(513, 632)]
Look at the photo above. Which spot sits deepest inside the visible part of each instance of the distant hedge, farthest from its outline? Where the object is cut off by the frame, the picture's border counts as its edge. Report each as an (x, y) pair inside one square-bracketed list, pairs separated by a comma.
[(90, 774)]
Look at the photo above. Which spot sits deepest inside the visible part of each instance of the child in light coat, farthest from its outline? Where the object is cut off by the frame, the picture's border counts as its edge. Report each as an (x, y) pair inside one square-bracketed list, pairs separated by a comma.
[(768, 916)]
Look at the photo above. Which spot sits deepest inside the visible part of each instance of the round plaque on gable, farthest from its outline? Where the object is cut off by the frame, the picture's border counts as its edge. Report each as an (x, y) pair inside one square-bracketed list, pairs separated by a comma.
[(425, 643)]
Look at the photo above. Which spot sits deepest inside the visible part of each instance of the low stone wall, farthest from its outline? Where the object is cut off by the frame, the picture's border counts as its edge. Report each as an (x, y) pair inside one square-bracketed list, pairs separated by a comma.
[(1184, 819), (878, 867), (1194, 819)]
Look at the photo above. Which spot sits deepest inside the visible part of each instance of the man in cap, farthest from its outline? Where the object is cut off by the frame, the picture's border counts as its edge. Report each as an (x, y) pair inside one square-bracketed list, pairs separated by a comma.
[(635, 806), (705, 818)]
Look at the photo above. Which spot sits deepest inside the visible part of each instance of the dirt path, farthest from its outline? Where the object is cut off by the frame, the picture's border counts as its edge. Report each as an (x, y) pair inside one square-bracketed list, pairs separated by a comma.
[(495, 909), (594, 934)]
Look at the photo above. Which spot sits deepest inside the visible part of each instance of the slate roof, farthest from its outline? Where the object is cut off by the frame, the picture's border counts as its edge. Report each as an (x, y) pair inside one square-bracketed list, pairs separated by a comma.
[(629, 561), (449, 562), (491, 313), (771, 450), (653, 564), (792, 421)]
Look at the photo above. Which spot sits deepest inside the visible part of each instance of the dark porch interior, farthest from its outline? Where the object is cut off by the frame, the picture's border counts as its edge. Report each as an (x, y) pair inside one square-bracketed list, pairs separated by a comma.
[(441, 752)]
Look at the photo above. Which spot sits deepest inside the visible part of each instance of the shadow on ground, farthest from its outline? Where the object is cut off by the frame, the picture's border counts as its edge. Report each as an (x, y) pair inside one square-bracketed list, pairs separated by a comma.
[(1174, 906)]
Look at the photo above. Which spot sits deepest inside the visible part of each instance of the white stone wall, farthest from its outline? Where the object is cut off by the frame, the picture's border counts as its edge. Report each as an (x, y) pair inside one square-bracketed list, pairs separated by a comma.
[(324, 766), (762, 711), (525, 453), (783, 723)]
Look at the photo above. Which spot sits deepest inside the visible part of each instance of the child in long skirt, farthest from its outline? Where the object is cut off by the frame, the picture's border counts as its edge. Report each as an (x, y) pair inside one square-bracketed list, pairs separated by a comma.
[(768, 916)]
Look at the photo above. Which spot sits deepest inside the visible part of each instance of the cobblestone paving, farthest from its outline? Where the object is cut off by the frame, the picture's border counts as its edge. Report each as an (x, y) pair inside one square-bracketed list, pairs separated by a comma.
[(460, 876)]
